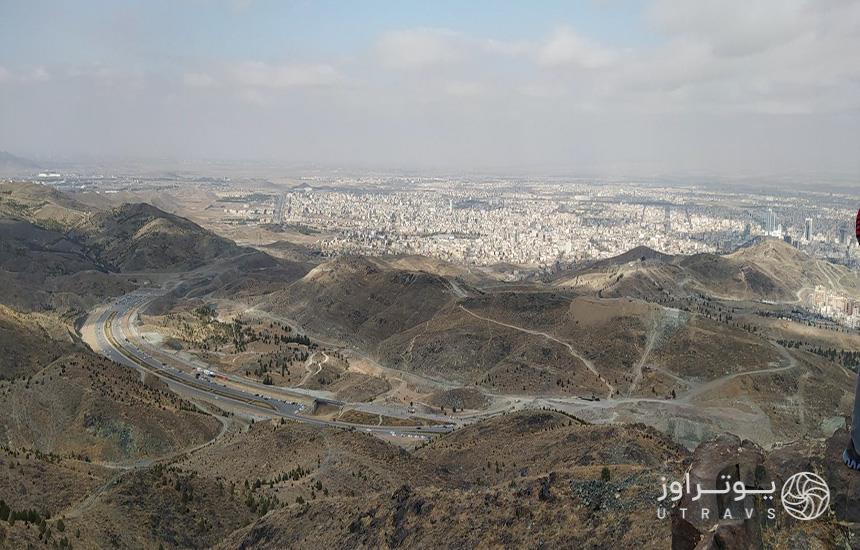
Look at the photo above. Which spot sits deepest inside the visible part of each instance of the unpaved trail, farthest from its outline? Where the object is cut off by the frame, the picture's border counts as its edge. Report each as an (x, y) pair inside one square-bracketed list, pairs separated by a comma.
[(717, 382), (668, 318), (637, 368), (588, 364), (320, 364), (457, 289), (78, 508), (684, 399)]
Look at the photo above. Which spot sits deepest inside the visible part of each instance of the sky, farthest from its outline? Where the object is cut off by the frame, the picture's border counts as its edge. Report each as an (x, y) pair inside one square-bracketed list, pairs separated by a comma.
[(639, 87)]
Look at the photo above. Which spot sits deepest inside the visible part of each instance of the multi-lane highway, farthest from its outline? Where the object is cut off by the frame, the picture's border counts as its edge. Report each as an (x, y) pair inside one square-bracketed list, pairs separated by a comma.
[(111, 330)]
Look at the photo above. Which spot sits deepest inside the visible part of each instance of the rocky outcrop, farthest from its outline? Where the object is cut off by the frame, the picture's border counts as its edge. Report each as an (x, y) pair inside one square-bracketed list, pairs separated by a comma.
[(717, 521)]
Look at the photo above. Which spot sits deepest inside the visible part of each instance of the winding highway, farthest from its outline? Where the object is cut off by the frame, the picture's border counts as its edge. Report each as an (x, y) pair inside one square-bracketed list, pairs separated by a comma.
[(110, 330)]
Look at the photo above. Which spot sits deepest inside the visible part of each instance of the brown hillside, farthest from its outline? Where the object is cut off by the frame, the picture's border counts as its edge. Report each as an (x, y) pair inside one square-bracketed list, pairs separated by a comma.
[(28, 342), (86, 405), (41, 269), (767, 270), (139, 237), (360, 301), (40, 204), (546, 488)]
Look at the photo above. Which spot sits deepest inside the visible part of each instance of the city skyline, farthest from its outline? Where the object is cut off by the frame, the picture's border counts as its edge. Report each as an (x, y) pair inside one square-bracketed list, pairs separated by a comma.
[(489, 274)]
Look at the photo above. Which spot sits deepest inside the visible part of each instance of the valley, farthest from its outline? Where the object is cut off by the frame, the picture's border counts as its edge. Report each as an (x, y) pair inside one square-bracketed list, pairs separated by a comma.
[(247, 397), (429, 275)]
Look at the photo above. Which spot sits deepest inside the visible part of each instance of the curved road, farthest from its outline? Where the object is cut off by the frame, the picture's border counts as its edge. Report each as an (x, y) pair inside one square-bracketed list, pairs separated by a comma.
[(110, 331)]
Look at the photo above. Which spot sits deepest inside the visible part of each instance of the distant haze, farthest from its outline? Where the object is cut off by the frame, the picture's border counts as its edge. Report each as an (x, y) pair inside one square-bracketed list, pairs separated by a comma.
[(731, 87)]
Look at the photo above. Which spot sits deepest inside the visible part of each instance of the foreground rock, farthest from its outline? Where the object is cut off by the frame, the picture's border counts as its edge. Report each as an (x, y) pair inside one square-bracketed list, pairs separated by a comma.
[(754, 522)]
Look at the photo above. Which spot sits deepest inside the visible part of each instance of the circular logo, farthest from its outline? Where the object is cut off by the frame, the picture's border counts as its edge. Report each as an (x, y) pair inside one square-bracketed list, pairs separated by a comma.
[(805, 496)]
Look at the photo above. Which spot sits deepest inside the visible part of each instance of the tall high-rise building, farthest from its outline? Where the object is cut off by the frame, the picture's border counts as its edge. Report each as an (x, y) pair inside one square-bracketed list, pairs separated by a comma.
[(807, 230), (843, 235), (770, 222)]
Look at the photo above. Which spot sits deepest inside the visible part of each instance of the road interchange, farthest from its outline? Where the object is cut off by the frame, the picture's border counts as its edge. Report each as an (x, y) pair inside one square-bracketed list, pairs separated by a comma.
[(111, 331)]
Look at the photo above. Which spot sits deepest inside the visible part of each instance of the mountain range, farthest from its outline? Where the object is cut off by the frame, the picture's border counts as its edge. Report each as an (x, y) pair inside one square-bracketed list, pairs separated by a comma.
[(573, 397)]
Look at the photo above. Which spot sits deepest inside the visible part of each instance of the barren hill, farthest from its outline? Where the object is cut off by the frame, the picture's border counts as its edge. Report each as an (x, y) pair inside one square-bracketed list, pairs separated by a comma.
[(563, 484), (140, 237), (56, 396), (30, 341), (86, 405), (362, 301), (346, 463), (640, 254), (131, 237), (13, 164), (534, 340), (40, 204), (514, 341), (437, 267), (693, 346), (42, 269), (483, 491), (767, 270), (549, 343)]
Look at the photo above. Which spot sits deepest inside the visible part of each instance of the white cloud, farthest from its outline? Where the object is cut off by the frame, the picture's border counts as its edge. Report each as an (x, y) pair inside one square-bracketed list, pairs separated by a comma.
[(766, 56), (36, 74), (252, 96), (262, 75), (512, 48), (198, 80), (541, 90), (695, 64), (566, 47), (464, 88), (420, 48), (735, 27), (417, 48), (728, 56)]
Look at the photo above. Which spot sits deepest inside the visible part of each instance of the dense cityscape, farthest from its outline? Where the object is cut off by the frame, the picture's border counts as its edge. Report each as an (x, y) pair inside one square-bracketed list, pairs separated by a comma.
[(418, 275), (532, 224), (549, 225)]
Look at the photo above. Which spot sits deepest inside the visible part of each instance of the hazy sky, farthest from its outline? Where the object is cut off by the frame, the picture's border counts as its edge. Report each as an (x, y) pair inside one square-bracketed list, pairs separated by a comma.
[(640, 87)]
